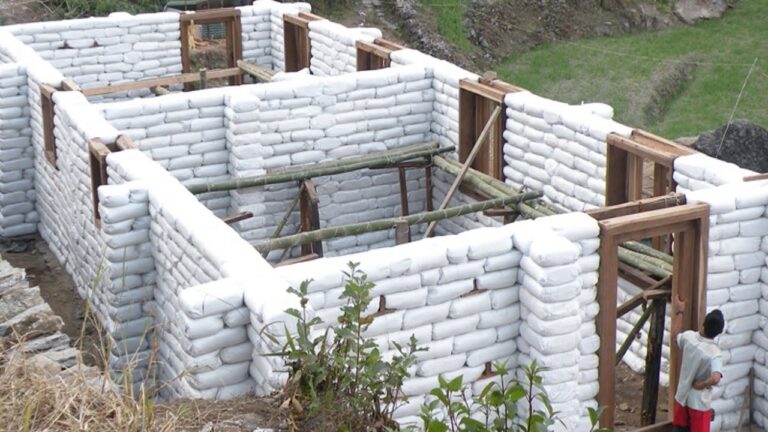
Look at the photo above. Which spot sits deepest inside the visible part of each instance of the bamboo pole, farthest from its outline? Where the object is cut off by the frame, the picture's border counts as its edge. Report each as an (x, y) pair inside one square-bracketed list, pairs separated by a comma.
[(467, 163), (303, 172), (384, 224), (633, 333)]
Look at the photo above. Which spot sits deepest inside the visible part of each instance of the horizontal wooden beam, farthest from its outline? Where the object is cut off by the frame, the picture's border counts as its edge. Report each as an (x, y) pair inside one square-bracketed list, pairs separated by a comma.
[(392, 46), (301, 259), (755, 177), (211, 16), (654, 154), (164, 81), (495, 92), (640, 206), (661, 143), (237, 217), (256, 71)]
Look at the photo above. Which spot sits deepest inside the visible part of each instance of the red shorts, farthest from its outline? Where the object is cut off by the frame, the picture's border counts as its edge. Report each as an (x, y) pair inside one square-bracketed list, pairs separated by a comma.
[(695, 421)]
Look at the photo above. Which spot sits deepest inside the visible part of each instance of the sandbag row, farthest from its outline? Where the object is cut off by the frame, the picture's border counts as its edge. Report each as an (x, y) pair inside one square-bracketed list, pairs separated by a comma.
[(441, 183), (277, 11), (301, 122), (102, 51), (445, 83), (18, 215), (558, 149), (184, 133), (333, 47), (699, 171)]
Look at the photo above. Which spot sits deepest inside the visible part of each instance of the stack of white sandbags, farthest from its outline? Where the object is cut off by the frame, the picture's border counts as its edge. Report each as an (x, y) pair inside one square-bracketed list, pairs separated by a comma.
[(330, 118), (101, 51), (122, 302), (334, 47), (257, 32), (557, 296), (445, 114), (17, 196), (699, 171), (184, 133), (458, 295), (735, 283), (558, 149), (277, 12)]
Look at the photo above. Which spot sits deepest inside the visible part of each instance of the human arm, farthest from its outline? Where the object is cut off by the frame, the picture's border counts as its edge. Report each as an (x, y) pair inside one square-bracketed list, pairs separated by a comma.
[(716, 366)]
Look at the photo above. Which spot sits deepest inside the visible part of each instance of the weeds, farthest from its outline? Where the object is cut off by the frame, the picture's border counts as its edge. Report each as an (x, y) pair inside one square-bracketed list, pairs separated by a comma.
[(338, 379), (85, 8)]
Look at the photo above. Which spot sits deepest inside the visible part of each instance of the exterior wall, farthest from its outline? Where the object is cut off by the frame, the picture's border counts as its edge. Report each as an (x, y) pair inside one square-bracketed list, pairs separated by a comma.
[(699, 171), (278, 10), (558, 149), (18, 215), (256, 25), (101, 51)]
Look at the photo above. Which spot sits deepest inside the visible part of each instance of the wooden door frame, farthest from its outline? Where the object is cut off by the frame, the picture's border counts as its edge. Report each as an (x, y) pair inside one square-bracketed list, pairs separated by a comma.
[(690, 225), (233, 33), (375, 55)]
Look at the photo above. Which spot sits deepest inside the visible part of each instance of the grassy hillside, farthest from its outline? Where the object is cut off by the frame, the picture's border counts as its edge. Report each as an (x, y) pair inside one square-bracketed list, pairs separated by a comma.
[(624, 70), (449, 15)]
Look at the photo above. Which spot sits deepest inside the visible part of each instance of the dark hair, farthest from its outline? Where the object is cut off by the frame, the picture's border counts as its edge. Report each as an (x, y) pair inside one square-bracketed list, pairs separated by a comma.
[(713, 324)]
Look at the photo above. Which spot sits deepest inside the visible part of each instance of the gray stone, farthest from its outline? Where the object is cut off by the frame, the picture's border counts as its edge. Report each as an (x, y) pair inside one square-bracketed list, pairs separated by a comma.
[(691, 11), (745, 144), (16, 300)]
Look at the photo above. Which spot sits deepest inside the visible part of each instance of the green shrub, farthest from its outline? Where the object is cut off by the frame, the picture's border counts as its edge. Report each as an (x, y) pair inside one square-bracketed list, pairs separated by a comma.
[(338, 379)]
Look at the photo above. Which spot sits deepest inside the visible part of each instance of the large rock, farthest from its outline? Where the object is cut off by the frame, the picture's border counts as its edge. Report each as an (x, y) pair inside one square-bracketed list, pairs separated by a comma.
[(690, 11), (746, 145)]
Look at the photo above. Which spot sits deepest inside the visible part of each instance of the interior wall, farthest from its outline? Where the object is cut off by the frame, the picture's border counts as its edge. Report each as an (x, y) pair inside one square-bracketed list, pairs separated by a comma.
[(333, 47)]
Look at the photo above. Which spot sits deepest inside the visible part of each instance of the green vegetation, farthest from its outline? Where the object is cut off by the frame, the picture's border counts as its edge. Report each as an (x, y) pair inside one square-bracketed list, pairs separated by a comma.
[(449, 15), (623, 70), (85, 8)]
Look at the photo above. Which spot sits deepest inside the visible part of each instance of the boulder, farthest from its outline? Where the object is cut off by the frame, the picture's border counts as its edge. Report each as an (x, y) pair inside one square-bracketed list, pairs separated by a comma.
[(691, 11), (745, 144)]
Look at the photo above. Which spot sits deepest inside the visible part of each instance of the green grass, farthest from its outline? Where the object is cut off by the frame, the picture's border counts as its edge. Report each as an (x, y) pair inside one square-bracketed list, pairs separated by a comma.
[(617, 70), (449, 15)]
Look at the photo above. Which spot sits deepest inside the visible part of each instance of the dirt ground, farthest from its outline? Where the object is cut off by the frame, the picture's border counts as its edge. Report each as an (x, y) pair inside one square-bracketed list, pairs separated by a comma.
[(629, 394)]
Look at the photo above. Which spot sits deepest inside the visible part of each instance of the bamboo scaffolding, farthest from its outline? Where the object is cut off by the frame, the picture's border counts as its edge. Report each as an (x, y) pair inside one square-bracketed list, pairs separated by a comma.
[(384, 224), (303, 172)]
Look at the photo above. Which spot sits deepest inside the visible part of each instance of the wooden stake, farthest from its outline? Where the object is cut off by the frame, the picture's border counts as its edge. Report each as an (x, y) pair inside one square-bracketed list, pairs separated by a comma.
[(403, 192), (203, 79), (467, 164), (653, 363), (633, 334)]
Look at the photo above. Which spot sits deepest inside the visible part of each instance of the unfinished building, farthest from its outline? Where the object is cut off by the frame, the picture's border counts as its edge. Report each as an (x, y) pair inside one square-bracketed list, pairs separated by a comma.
[(185, 215)]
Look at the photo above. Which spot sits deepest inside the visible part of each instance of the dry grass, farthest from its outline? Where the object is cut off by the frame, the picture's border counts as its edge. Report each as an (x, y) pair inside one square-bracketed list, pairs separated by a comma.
[(34, 398)]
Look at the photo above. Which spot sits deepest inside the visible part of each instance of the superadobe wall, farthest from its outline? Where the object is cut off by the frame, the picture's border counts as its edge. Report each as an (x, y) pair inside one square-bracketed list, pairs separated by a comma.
[(521, 292)]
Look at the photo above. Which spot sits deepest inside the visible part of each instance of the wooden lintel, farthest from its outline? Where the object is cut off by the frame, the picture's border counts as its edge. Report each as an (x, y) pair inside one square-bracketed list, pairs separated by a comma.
[(373, 49), (164, 81), (256, 71), (392, 46), (652, 140), (124, 142), (237, 217), (494, 92), (297, 20), (657, 154), (69, 85), (310, 16), (639, 206), (650, 219), (755, 177), (211, 16)]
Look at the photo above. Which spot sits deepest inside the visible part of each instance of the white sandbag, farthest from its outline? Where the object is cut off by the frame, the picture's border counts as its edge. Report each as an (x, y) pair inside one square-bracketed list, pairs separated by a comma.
[(469, 305), (237, 317), (497, 279), (436, 349), (573, 226), (222, 376), (504, 261), (386, 323), (508, 331), (491, 353), (733, 310), (555, 361), (589, 345), (549, 344), (419, 385), (553, 251), (238, 353), (198, 328), (499, 317), (444, 292), (549, 275), (212, 298), (454, 272), (408, 299), (225, 338), (548, 311), (441, 365), (396, 284), (416, 317), (552, 293), (556, 327), (743, 324), (501, 298), (486, 242), (474, 340), (728, 341), (454, 327)]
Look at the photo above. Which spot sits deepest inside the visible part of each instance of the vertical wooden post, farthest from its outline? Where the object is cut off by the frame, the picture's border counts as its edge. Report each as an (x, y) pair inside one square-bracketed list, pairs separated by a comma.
[(430, 203), (653, 363), (661, 176), (310, 216), (203, 79), (402, 232), (606, 325), (404, 211), (634, 177)]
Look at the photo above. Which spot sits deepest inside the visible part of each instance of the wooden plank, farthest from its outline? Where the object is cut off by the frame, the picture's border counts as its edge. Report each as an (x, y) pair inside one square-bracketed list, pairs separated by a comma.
[(164, 81), (185, 61), (651, 153), (635, 276), (649, 139), (97, 158), (755, 177), (256, 71), (237, 217), (69, 85), (606, 325), (653, 364), (661, 176), (616, 176), (660, 229), (430, 198), (392, 46), (634, 177), (310, 216), (640, 206), (47, 109), (310, 16), (124, 142), (486, 91), (650, 219), (297, 20), (210, 16)]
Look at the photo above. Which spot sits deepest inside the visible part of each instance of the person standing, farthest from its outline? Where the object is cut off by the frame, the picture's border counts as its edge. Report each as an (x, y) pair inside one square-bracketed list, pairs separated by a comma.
[(701, 368)]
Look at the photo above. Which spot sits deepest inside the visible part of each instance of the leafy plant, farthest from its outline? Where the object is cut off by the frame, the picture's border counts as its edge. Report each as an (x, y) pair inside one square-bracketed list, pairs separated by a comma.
[(495, 409), (338, 378)]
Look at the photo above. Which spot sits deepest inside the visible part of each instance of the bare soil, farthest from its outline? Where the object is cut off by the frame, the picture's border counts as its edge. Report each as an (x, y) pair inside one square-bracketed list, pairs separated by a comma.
[(629, 394)]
